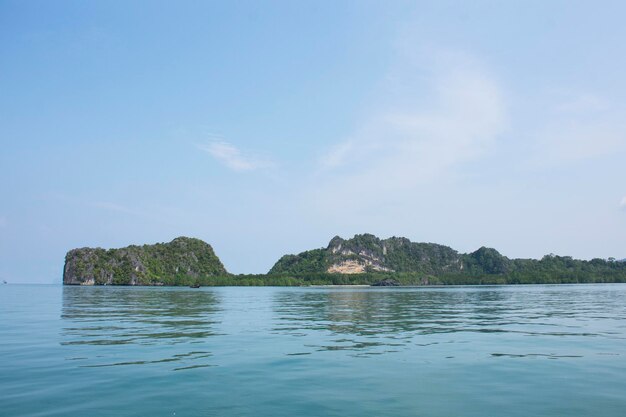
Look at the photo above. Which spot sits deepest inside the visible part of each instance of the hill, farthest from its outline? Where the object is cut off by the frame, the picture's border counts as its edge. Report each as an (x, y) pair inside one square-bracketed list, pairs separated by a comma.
[(366, 258), (180, 262), (363, 259), (367, 253)]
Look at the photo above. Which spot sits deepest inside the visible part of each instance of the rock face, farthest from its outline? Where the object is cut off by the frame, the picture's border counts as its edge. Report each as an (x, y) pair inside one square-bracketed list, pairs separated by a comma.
[(172, 263), (367, 253)]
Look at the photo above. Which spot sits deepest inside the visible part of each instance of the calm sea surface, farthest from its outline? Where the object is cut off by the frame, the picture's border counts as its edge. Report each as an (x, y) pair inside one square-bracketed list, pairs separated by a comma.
[(463, 351)]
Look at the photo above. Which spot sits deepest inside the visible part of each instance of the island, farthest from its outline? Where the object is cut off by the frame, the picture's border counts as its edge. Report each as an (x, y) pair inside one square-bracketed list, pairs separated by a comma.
[(183, 261), (361, 260)]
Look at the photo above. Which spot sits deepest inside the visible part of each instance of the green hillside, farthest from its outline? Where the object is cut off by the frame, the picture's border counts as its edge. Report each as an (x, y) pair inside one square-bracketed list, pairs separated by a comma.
[(180, 262)]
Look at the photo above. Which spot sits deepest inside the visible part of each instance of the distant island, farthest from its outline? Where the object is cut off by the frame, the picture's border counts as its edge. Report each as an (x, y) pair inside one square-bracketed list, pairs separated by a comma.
[(362, 260), (183, 261)]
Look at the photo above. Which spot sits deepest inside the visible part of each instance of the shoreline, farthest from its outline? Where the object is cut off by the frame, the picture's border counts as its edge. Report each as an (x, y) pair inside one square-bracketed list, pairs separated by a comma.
[(337, 286)]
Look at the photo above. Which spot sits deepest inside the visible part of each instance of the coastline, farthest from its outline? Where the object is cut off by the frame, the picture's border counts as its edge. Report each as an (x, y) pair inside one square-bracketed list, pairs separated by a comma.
[(338, 286)]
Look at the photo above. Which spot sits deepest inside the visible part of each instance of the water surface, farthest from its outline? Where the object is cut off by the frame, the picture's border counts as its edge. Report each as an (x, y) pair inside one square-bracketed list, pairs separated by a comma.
[(456, 351)]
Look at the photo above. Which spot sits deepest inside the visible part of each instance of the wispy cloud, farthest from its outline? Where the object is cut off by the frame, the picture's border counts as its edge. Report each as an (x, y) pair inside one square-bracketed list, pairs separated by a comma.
[(419, 137), (233, 158), (622, 203)]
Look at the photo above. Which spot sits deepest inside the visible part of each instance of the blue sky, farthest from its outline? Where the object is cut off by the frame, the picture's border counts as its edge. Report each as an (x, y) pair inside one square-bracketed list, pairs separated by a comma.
[(266, 128)]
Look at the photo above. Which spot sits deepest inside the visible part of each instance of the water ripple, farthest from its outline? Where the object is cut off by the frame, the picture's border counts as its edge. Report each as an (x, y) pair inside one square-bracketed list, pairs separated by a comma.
[(135, 318)]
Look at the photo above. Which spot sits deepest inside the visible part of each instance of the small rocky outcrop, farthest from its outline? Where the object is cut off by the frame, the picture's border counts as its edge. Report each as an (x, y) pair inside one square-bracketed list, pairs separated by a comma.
[(173, 263), (388, 282)]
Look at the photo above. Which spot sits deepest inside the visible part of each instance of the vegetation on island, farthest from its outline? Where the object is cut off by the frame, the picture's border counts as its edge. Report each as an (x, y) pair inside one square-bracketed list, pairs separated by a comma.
[(183, 261), (409, 263), (361, 260)]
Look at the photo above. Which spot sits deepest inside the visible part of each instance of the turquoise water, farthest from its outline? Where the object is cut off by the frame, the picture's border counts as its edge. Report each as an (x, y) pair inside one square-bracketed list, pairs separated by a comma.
[(463, 351)]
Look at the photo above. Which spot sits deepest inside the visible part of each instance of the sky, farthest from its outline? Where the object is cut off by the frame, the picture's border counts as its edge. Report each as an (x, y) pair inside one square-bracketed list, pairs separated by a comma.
[(267, 128)]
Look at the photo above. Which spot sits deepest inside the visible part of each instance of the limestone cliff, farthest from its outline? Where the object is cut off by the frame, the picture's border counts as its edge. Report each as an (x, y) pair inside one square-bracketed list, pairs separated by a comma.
[(367, 253), (175, 263)]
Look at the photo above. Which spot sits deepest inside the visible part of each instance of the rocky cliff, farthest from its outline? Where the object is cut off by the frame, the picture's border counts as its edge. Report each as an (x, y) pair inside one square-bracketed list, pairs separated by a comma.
[(428, 263), (367, 253), (178, 262)]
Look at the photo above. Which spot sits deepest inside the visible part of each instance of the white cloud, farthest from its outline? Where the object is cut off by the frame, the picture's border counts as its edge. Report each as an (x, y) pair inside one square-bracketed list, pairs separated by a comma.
[(622, 203), (338, 155), (422, 135), (232, 157)]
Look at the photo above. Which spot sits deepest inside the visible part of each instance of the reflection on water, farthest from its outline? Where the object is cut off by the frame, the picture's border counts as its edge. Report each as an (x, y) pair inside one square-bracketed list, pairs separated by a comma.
[(282, 352), (107, 327), (377, 321), (135, 317)]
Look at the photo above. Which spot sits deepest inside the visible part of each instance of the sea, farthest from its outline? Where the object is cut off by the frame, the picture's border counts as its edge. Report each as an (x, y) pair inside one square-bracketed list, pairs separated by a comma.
[(488, 351)]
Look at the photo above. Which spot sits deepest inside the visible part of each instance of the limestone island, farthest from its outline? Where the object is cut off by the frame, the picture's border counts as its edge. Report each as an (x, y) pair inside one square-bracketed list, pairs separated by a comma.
[(183, 261), (362, 260)]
